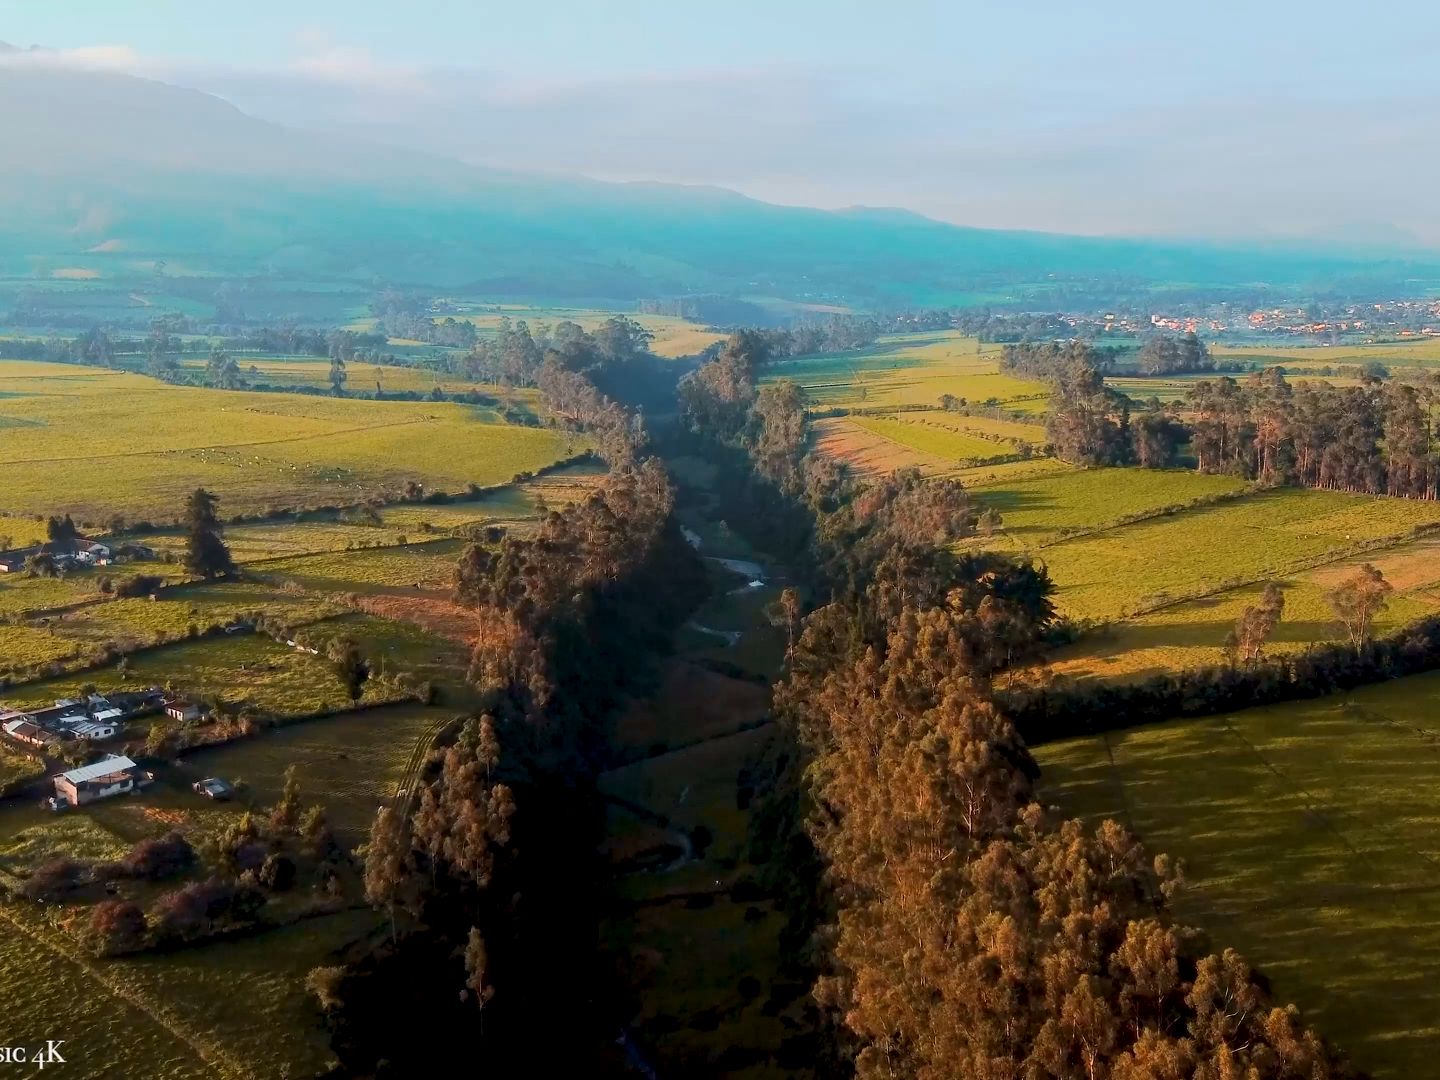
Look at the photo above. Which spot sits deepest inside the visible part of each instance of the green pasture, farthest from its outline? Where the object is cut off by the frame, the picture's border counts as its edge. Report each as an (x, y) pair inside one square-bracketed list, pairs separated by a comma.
[(1310, 837), (1035, 510), (428, 565)]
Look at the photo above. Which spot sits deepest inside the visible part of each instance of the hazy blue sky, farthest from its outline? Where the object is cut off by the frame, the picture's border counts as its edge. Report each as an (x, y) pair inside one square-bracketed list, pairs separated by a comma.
[(1211, 118)]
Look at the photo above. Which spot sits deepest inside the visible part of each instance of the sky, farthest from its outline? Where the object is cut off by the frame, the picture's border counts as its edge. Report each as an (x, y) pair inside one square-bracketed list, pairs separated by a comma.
[(1217, 119)]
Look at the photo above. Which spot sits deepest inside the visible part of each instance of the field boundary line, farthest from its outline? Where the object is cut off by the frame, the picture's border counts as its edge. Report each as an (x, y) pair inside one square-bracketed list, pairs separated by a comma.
[(159, 1014)]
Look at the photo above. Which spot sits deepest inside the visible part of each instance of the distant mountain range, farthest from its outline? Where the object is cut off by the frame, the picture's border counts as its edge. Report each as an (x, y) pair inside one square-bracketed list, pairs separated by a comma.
[(115, 171)]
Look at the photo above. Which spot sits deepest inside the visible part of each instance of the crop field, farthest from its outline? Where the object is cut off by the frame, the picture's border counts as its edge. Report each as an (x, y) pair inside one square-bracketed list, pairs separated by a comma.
[(1310, 835), (911, 369), (930, 438), (1009, 472), (903, 372), (1264, 535), (429, 565), (1415, 352), (1012, 431), (97, 443), (1037, 510), (1193, 634)]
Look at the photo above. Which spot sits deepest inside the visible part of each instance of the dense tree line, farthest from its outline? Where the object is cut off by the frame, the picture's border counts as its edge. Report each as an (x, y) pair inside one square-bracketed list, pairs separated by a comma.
[(974, 932), (1166, 355), (450, 332), (1375, 438), (1050, 361), (956, 927), (1063, 710), (515, 355), (492, 875)]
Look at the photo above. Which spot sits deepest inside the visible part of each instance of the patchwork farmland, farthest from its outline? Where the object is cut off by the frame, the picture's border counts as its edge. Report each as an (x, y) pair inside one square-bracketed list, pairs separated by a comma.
[(253, 656)]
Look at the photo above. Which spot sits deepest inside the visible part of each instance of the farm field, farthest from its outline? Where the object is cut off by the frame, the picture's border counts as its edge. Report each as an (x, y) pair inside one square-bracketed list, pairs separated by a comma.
[(1415, 352), (901, 373), (350, 763), (1308, 833), (429, 565), (366, 378), (99, 443), (242, 669), (174, 1016), (911, 369), (1038, 510), (1268, 534), (1193, 634), (118, 1040), (134, 623), (511, 506)]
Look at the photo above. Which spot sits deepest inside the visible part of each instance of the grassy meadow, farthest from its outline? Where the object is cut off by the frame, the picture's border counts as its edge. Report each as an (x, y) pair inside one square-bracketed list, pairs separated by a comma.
[(1308, 833)]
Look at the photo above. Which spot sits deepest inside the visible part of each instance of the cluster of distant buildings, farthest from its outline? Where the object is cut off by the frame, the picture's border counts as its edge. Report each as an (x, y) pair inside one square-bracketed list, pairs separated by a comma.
[(75, 553), (93, 719)]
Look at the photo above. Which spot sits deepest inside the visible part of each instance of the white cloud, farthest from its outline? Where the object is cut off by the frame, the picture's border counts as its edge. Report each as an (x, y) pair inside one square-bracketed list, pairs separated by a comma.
[(322, 58), (123, 58)]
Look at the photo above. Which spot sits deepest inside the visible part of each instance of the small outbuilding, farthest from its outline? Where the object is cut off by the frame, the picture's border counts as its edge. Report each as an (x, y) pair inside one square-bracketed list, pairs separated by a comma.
[(107, 777), (181, 710)]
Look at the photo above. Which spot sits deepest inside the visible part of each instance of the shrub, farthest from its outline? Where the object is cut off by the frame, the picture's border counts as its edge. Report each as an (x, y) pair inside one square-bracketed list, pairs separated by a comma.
[(55, 878), (200, 907), (158, 858), (139, 585), (117, 926)]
